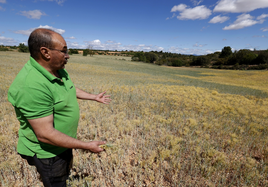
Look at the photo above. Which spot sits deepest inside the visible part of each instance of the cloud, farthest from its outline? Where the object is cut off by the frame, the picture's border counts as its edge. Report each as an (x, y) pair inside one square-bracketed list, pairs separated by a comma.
[(59, 2), (196, 2), (264, 29), (112, 45), (238, 6), (219, 19), (199, 45), (243, 20), (7, 41), (171, 17), (198, 12), (2, 1), (32, 14), (2, 9), (29, 31), (192, 51), (180, 7), (60, 31), (75, 45), (258, 36), (72, 37), (262, 16)]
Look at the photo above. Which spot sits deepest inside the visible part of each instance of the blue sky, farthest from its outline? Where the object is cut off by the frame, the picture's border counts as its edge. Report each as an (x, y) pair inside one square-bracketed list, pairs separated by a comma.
[(186, 27)]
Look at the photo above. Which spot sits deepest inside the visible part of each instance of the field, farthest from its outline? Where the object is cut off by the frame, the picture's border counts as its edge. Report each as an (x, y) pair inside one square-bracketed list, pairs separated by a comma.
[(165, 126)]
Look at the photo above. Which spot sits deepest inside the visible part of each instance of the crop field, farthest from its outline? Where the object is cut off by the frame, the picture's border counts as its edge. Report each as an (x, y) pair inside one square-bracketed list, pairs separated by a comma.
[(165, 126)]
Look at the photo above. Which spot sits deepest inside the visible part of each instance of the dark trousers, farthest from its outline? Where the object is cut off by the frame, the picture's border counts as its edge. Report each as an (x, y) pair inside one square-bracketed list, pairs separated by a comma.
[(53, 171)]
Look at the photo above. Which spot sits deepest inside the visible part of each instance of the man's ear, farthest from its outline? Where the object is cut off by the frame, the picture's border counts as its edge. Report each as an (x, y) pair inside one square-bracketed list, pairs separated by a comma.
[(45, 53)]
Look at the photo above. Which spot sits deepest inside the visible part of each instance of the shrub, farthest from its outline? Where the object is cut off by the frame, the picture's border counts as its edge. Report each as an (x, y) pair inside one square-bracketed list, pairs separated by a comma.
[(23, 48), (85, 52), (4, 49)]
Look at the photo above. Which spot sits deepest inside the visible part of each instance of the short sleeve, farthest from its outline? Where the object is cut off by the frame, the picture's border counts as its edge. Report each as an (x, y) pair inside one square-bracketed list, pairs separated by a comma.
[(34, 103)]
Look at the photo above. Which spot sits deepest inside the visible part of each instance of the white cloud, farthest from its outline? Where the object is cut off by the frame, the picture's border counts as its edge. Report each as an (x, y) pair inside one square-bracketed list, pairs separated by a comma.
[(60, 31), (1, 8), (196, 2), (258, 36), (193, 51), (219, 19), (264, 29), (7, 41), (237, 6), (32, 14), (2, 1), (243, 20), (112, 45), (199, 45), (59, 2), (180, 7), (262, 16), (198, 12), (75, 45), (72, 37), (29, 31), (171, 17)]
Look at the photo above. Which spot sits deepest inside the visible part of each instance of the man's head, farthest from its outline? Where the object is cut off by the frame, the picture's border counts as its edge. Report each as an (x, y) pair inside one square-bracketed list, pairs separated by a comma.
[(48, 48), (39, 38)]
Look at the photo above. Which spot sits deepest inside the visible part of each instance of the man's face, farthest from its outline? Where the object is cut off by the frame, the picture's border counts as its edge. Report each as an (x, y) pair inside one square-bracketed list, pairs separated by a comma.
[(59, 54)]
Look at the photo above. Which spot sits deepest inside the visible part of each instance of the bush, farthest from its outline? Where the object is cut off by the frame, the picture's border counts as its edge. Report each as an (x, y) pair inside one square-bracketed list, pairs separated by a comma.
[(243, 56), (139, 56), (73, 51), (85, 52), (176, 62), (225, 52), (4, 49), (262, 58), (200, 61), (151, 57), (259, 67), (23, 48)]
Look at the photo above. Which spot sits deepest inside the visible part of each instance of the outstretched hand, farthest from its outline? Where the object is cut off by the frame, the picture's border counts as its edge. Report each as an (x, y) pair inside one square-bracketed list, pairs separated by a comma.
[(101, 98), (93, 146)]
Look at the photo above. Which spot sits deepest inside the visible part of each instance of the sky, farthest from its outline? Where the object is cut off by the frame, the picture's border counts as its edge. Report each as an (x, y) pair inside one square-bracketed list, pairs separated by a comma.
[(178, 26)]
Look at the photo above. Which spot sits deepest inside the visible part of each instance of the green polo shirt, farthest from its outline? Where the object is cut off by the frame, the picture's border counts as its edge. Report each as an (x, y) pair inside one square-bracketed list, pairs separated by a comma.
[(35, 93)]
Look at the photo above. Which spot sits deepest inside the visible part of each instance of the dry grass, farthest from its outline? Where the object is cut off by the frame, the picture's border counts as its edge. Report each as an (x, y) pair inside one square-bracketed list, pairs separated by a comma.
[(167, 127)]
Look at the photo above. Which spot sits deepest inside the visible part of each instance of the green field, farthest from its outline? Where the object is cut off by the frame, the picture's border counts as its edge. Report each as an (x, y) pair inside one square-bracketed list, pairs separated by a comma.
[(165, 126)]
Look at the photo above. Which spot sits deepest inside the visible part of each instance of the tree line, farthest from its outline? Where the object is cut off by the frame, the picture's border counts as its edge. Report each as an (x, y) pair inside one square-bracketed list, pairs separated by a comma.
[(243, 59)]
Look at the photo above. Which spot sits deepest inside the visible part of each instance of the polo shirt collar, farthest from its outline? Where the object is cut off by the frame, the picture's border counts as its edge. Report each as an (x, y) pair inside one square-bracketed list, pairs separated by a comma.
[(42, 70)]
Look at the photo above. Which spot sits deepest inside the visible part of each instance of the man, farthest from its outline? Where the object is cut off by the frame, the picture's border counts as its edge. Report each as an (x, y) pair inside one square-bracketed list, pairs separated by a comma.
[(45, 101)]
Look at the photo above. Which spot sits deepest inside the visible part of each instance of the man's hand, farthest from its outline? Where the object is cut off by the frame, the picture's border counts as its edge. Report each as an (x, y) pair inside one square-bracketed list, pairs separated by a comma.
[(45, 132), (93, 146), (101, 98)]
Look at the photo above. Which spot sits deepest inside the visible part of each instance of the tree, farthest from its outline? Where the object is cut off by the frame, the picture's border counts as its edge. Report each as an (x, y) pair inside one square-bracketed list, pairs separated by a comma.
[(226, 52), (90, 50), (139, 56), (243, 56), (73, 51), (262, 58), (85, 52), (23, 48), (200, 61), (151, 57)]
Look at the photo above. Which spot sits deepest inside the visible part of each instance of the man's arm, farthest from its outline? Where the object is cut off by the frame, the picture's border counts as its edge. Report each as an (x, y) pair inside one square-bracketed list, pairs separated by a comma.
[(80, 94), (46, 133)]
